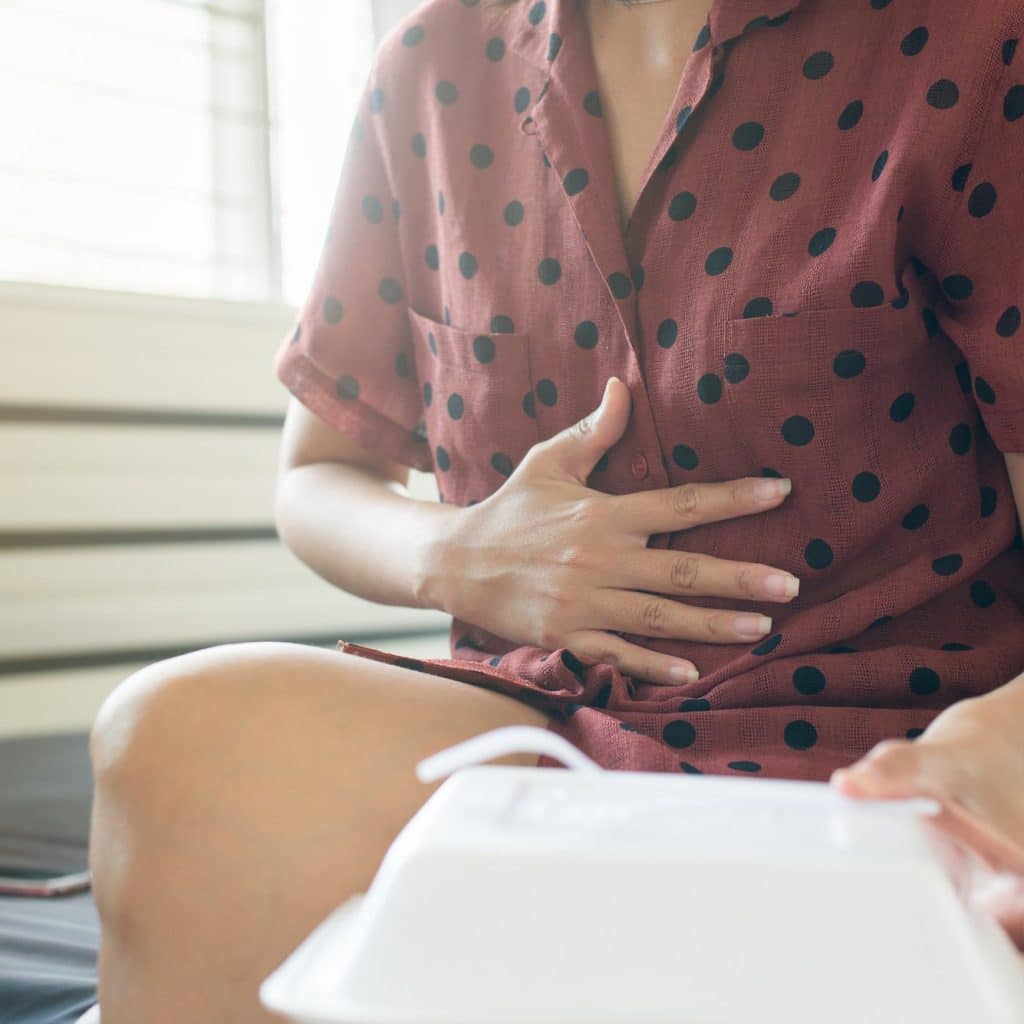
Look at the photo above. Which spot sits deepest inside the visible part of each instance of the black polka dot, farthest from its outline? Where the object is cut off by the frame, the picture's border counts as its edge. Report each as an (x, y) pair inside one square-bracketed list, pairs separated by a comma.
[(372, 209), (942, 94), (695, 704), (668, 331), (867, 293), (850, 116), (901, 407), (682, 206), (446, 92), (576, 181), (483, 348), (736, 367), (620, 284), (988, 501), (679, 733), (467, 264), (800, 735), (592, 104), (689, 768), (390, 290), (744, 766), (924, 680), (983, 391), (684, 457), (412, 36), (947, 565), (865, 486), (546, 391), (332, 310), (748, 135), (809, 680), (821, 241), (495, 48), (514, 213), (849, 363), (502, 463), (818, 554), (419, 144), (481, 156), (347, 387), (431, 258), (960, 439), (585, 334), (784, 186), (982, 594), (1009, 322), (767, 645), (549, 270), (709, 388), (818, 65), (718, 260), (914, 41), (798, 430), (456, 406), (916, 517)]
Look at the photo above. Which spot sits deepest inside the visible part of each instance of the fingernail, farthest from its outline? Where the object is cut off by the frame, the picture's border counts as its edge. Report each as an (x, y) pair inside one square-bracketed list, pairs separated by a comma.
[(752, 625), (782, 585), (683, 673)]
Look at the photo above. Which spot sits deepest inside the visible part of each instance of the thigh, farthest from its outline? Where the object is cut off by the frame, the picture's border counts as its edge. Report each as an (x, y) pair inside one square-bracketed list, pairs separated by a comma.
[(242, 792), (236, 729)]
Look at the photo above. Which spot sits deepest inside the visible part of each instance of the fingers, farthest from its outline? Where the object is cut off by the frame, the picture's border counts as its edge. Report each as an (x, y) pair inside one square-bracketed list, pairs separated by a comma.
[(668, 509), (630, 611), (895, 769), (685, 573), (650, 666)]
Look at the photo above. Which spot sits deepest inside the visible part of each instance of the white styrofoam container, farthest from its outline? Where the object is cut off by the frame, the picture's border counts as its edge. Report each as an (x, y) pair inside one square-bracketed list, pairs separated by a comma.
[(543, 896)]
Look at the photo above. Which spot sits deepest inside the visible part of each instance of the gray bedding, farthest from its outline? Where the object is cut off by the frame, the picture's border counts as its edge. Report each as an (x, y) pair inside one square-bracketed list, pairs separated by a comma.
[(48, 946)]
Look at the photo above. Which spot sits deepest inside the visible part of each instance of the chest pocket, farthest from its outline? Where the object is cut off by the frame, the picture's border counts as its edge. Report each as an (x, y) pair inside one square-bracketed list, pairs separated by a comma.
[(856, 406), (478, 405)]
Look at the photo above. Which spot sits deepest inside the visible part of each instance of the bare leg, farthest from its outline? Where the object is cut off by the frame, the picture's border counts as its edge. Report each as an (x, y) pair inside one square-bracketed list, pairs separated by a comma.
[(242, 792)]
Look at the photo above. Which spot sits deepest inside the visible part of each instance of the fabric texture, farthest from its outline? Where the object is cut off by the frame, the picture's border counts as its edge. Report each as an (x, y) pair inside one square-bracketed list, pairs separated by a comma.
[(820, 280)]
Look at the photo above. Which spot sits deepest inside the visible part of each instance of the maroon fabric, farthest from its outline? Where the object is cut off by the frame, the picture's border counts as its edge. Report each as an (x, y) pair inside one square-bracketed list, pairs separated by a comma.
[(820, 280)]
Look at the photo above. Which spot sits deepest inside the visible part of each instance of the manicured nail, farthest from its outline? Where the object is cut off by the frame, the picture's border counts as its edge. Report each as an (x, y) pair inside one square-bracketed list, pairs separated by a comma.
[(684, 673), (780, 585), (752, 625)]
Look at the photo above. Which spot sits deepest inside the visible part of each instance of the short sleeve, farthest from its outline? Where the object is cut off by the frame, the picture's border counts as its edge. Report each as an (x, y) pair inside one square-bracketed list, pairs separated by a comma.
[(349, 356), (978, 258)]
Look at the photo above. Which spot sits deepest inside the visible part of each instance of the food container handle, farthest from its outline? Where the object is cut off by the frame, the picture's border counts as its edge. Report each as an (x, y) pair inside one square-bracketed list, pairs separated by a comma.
[(509, 739)]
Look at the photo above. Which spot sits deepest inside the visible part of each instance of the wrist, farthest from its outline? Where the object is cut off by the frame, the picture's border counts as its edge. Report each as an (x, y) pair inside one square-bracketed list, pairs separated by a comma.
[(1007, 702), (434, 570)]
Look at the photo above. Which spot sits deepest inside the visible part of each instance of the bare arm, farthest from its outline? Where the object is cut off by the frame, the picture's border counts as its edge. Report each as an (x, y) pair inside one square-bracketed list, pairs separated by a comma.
[(346, 513)]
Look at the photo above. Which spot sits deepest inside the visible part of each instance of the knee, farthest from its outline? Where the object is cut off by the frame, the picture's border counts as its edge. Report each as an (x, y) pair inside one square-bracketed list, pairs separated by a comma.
[(150, 720)]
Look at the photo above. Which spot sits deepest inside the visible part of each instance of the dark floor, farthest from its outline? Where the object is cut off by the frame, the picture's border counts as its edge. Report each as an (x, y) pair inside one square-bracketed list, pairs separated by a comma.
[(47, 946)]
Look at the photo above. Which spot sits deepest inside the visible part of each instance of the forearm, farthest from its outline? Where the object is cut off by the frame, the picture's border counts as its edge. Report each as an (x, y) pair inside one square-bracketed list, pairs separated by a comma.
[(362, 532)]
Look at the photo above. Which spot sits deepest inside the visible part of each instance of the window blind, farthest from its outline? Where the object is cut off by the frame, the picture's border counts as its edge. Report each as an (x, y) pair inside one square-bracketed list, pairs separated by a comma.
[(172, 146)]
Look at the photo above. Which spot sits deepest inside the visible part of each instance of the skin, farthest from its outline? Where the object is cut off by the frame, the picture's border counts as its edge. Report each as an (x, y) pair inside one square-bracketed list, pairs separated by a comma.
[(244, 791)]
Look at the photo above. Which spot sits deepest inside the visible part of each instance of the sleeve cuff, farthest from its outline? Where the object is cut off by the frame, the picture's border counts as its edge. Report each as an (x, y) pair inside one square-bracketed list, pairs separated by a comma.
[(352, 417)]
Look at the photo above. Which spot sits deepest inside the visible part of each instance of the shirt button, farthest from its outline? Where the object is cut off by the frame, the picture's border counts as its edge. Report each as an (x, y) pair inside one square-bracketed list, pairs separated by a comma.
[(639, 465)]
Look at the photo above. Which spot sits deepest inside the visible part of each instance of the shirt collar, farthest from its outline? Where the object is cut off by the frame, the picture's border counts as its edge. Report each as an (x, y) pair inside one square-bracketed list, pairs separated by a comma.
[(537, 29)]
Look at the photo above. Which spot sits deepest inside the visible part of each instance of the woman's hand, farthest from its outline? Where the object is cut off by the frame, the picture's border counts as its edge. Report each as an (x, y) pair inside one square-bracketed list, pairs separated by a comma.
[(547, 560), (971, 760)]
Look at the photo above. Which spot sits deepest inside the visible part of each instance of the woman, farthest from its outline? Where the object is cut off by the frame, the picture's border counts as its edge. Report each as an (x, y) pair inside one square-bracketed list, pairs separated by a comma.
[(787, 227)]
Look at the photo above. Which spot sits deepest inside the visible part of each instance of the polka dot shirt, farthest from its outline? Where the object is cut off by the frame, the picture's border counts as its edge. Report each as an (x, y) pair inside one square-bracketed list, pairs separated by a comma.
[(821, 279)]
